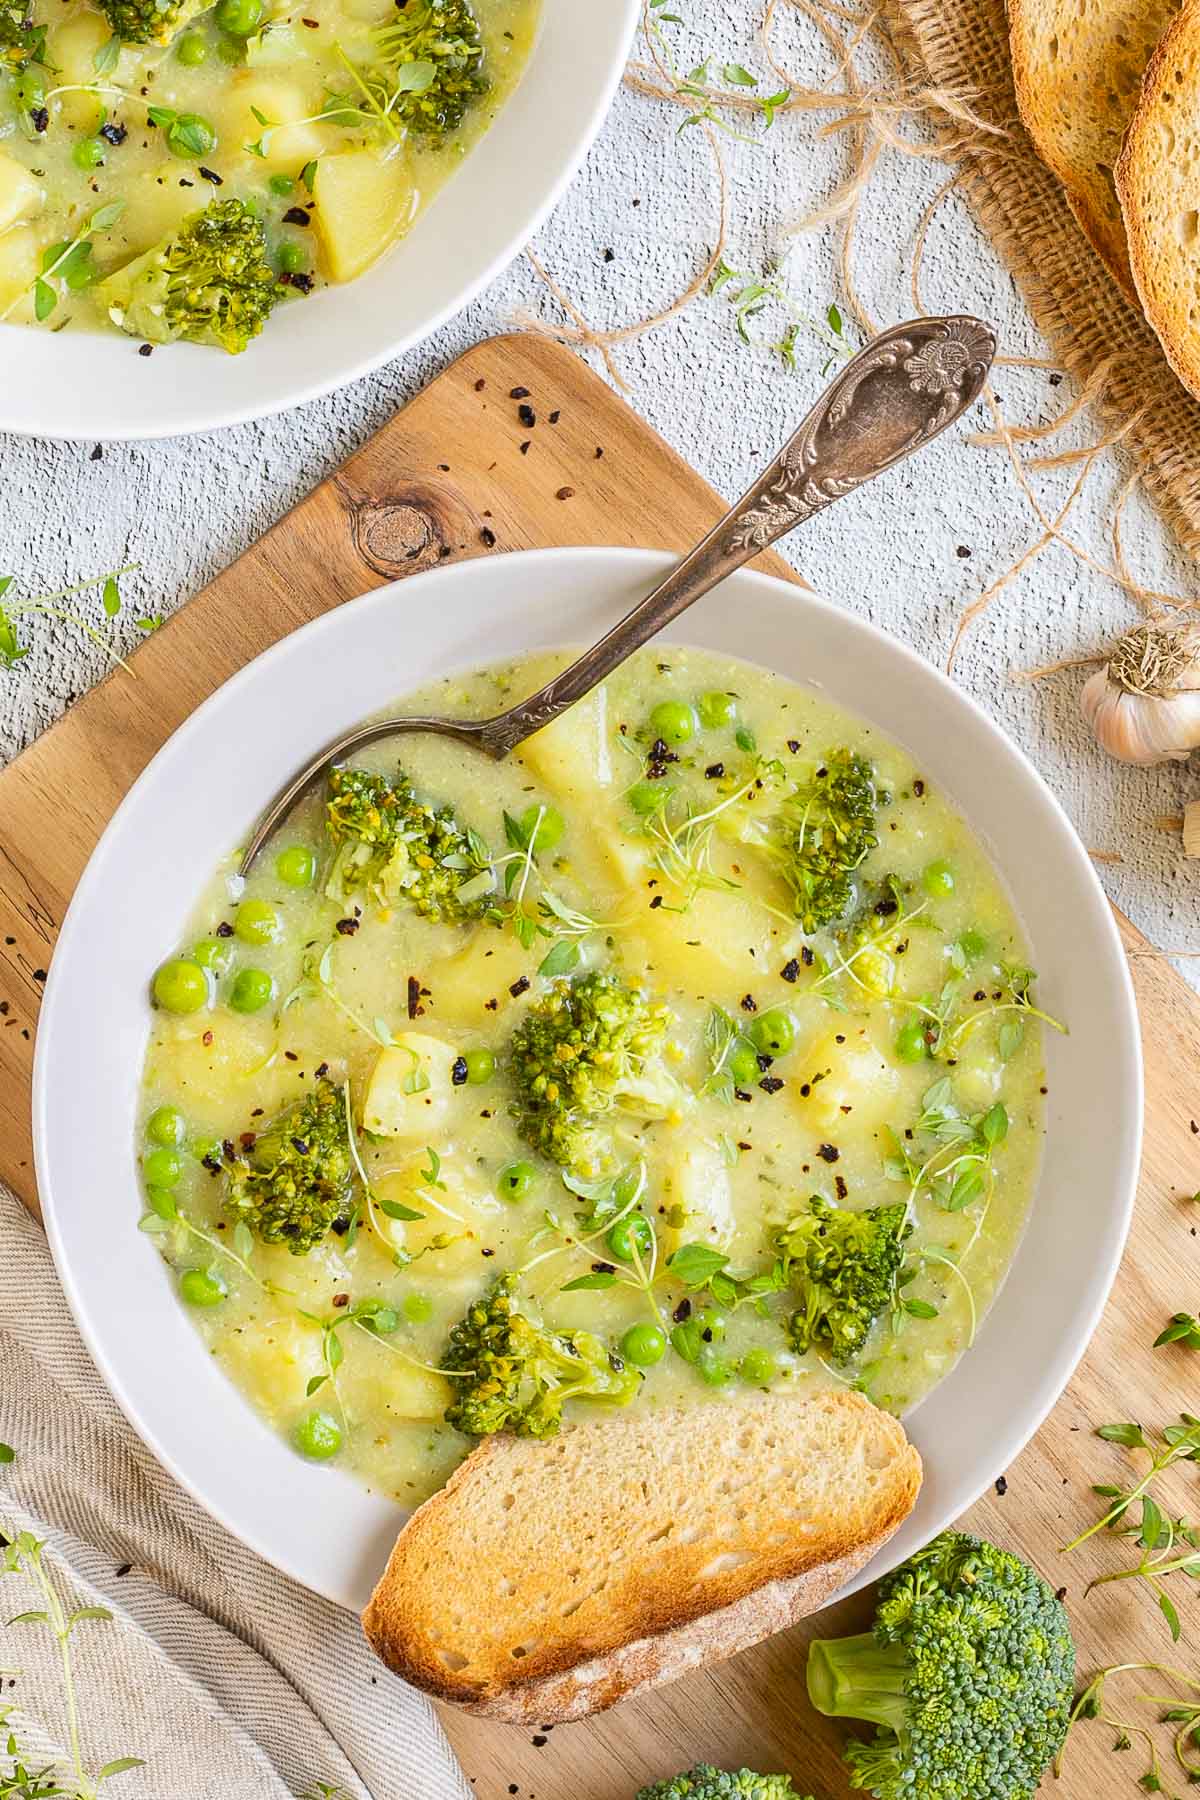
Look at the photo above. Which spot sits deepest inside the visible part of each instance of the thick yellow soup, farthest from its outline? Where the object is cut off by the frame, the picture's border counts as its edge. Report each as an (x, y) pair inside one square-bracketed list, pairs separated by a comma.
[(693, 1047), (176, 170)]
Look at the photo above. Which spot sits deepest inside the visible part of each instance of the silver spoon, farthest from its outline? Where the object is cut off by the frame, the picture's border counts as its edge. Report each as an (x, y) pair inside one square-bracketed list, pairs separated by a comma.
[(908, 385)]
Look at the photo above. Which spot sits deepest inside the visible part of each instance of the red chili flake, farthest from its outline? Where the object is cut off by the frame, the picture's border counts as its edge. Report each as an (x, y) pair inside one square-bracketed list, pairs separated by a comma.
[(656, 902), (224, 929), (487, 1253), (295, 215), (322, 1070), (247, 1140), (714, 771), (840, 1187), (807, 957), (211, 175), (771, 1084), (487, 536), (555, 416), (749, 1003), (341, 1300), (918, 788), (415, 1009), (741, 1094), (39, 974), (828, 1153), (480, 385), (524, 448), (565, 493), (603, 1268), (1001, 1485), (491, 1005), (793, 745), (519, 986), (519, 394), (791, 970), (207, 1039), (145, 349), (682, 1311), (347, 927), (527, 416), (113, 134)]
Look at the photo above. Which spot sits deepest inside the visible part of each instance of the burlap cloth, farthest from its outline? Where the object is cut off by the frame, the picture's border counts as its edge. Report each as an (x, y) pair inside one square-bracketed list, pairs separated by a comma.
[(232, 1682), (962, 45)]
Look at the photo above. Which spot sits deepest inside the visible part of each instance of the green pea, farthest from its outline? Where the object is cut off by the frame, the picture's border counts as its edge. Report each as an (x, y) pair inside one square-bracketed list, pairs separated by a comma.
[(774, 1032), (89, 153), (549, 828), (296, 866), (292, 259), (515, 1181), (201, 1287), (240, 18), (938, 880), (252, 990), (631, 1235), (257, 922), (758, 1367), (317, 1435), (161, 1200), (910, 1041), (644, 1345), (481, 1066), (716, 709), (743, 1063), (191, 49), (161, 1168), (181, 986), (713, 1369), (167, 1126), (674, 721), (214, 953), (281, 184), (647, 796), (417, 1308)]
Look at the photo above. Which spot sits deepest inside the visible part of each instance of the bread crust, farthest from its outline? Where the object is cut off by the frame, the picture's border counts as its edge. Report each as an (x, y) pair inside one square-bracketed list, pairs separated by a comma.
[(1140, 184), (673, 1612)]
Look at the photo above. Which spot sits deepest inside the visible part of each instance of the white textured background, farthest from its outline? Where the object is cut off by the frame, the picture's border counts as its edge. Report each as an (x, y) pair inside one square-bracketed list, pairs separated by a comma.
[(897, 553)]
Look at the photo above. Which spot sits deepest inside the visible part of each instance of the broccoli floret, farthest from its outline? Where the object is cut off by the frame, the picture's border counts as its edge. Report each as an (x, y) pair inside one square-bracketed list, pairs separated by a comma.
[(842, 1266), (431, 60), (290, 1182), (825, 830), (589, 1046), (706, 1783), (211, 283), (21, 41), (968, 1674), (392, 846), (522, 1373), (149, 21)]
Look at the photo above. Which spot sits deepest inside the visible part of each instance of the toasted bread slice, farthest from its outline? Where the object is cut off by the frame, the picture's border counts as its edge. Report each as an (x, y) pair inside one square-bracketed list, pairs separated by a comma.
[(1160, 198), (1078, 67), (550, 1579)]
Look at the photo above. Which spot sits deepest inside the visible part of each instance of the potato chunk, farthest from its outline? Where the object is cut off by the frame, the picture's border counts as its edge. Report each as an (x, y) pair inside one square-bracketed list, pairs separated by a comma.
[(410, 1093), (18, 272), (363, 203), (21, 195), (851, 1081), (699, 1198), (291, 139)]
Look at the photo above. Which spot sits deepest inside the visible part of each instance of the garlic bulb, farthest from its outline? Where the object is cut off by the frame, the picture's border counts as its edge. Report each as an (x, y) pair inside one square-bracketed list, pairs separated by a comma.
[(1144, 704)]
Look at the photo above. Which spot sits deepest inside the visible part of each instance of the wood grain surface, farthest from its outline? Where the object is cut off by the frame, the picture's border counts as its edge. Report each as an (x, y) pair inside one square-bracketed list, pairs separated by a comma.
[(456, 473)]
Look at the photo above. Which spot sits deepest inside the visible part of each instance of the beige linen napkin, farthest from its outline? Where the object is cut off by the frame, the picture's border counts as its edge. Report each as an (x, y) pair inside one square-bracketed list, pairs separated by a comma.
[(230, 1680)]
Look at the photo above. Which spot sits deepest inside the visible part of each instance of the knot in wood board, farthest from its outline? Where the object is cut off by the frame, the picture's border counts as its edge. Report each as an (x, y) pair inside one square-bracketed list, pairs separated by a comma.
[(397, 537)]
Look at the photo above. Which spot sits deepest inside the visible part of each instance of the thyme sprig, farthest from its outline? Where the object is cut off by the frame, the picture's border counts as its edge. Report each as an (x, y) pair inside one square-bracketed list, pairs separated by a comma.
[(66, 267), (23, 1555), (751, 295), (1182, 1711), (50, 606), (696, 85)]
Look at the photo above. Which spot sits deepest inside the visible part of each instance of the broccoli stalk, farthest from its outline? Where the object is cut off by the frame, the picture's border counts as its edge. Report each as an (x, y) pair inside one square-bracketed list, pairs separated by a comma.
[(590, 1046), (521, 1373), (824, 832), (968, 1675), (392, 846), (150, 21), (842, 1265), (290, 1182), (431, 62), (706, 1783), (210, 283)]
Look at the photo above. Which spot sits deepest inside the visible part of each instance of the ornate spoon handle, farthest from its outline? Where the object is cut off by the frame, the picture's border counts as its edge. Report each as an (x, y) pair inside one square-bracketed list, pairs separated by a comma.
[(895, 396)]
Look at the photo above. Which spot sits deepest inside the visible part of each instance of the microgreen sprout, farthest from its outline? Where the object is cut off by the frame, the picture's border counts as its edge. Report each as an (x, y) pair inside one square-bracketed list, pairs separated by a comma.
[(1182, 1711), (50, 606), (750, 296), (697, 87), (66, 267)]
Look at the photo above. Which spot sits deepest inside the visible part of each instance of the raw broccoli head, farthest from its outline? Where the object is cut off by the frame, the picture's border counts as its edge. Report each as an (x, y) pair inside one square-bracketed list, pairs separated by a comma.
[(826, 829), (210, 283), (588, 1046), (842, 1266), (21, 41), (432, 52), (969, 1674), (392, 846), (149, 21), (522, 1373), (706, 1783), (290, 1182)]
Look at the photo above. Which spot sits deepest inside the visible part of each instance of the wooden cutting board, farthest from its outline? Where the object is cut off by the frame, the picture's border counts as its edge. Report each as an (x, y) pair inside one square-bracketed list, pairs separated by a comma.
[(462, 471)]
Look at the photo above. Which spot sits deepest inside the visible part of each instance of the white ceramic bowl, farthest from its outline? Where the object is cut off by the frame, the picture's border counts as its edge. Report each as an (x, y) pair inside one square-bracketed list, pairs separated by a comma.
[(86, 384), (206, 786)]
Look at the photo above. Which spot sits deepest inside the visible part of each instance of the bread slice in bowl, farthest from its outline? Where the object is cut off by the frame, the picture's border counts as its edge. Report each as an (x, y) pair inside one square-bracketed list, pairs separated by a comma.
[(549, 1579), (1160, 195), (1078, 67)]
